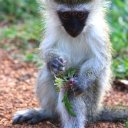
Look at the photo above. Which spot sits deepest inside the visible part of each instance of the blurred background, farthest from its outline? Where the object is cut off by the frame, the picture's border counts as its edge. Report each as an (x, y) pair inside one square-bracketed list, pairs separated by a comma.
[(21, 28)]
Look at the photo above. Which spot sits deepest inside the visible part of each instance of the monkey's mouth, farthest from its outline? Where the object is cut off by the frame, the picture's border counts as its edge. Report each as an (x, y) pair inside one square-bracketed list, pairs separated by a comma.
[(74, 31)]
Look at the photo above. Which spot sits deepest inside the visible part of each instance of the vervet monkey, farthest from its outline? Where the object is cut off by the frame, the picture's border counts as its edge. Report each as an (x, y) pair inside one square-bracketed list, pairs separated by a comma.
[(76, 35)]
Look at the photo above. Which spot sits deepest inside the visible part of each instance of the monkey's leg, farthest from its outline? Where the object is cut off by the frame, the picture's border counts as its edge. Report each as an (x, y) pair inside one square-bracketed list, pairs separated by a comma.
[(47, 97), (79, 108), (31, 116), (112, 115)]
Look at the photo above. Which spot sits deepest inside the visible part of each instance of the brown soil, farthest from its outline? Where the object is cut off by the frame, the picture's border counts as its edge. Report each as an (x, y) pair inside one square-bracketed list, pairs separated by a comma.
[(16, 93)]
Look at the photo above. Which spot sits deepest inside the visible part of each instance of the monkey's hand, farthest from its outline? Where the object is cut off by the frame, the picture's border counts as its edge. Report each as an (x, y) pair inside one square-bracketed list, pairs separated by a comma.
[(56, 65), (73, 86)]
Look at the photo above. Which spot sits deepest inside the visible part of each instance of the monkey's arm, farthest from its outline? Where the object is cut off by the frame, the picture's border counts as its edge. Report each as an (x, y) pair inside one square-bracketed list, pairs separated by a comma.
[(99, 60), (55, 59), (90, 71)]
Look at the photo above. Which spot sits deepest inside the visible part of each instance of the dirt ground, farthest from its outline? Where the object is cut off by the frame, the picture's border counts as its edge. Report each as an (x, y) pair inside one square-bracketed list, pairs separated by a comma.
[(17, 80)]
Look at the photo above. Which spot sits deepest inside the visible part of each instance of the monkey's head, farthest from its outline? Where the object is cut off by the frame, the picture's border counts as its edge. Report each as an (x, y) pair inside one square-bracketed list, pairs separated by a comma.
[(73, 21), (73, 15)]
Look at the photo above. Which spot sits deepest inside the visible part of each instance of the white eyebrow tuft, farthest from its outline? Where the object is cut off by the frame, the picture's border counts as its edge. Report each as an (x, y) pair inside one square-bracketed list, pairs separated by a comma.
[(80, 7)]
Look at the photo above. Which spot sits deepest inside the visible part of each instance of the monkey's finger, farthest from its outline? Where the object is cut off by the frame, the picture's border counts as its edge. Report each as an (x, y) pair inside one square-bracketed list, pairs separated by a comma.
[(16, 120), (55, 71), (20, 119), (60, 61), (62, 69), (54, 64)]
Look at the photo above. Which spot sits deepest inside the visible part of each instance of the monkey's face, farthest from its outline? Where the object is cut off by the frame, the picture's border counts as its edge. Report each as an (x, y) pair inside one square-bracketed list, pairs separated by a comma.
[(73, 21)]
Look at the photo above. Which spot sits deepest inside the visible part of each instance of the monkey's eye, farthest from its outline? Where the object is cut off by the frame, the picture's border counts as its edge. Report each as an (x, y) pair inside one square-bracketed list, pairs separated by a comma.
[(65, 15), (82, 15)]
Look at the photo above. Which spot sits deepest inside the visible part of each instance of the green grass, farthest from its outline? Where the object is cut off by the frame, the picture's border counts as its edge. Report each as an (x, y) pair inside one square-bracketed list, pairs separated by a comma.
[(23, 30), (25, 37), (17, 10), (26, 31), (118, 19), (24, 24), (126, 124)]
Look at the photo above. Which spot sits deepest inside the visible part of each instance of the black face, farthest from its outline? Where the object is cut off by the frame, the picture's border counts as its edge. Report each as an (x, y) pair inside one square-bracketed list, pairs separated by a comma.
[(73, 21)]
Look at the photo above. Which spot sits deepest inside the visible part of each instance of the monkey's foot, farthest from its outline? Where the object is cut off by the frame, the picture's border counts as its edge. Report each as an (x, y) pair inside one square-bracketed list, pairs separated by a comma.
[(30, 116)]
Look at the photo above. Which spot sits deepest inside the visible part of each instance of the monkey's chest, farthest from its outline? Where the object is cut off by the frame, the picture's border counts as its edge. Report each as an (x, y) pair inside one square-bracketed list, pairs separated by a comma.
[(76, 52)]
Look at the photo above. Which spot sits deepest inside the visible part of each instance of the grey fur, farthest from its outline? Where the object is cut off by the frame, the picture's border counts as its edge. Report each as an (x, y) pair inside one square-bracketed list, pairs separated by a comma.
[(112, 115), (32, 116)]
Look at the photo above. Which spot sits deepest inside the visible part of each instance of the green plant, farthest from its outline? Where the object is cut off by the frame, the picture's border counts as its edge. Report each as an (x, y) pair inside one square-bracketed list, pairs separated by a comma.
[(62, 81), (119, 36), (29, 30), (15, 10), (126, 124)]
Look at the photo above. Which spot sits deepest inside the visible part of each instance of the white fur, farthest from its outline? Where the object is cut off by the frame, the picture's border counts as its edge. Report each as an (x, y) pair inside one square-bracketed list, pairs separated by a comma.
[(80, 111), (88, 51)]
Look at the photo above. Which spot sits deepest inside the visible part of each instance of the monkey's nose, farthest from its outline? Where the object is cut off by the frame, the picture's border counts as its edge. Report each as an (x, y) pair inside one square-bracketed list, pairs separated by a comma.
[(73, 32)]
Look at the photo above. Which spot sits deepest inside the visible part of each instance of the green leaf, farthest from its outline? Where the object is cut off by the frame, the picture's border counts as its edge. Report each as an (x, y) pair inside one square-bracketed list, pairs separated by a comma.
[(68, 105), (60, 81)]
